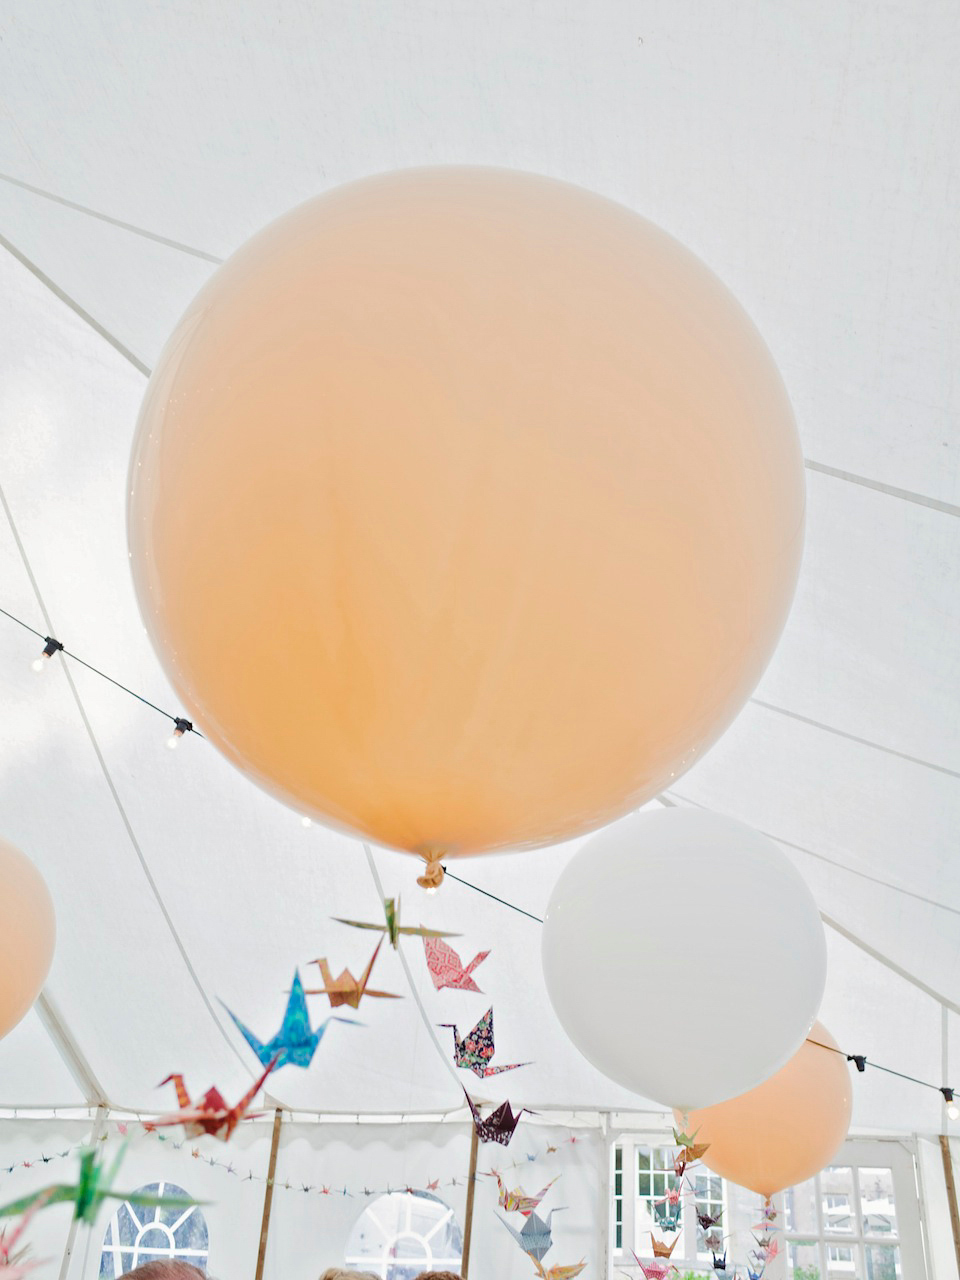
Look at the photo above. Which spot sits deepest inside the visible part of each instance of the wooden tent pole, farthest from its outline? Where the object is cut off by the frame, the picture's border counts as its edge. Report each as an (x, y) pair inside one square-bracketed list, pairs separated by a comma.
[(268, 1193), (951, 1193), (471, 1188)]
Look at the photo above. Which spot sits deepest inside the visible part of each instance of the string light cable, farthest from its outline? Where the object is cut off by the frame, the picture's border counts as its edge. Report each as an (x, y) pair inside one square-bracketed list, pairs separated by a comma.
[(182, 726)]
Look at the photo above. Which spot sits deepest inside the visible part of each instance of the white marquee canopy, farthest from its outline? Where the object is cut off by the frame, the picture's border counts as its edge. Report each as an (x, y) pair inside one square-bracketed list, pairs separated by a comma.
[(808, 153)]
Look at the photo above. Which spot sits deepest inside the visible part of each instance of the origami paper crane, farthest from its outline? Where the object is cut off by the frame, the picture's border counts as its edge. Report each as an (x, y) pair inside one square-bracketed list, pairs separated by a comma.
[(672, 1198), (560, 1273), (667, 1221), (655, 1270), (210, 1114), (689, 1149), (90, 1190), (393, 928), (13, 1266), (713, 1240), (347, 989), (475, 1050), (499, 1126), (517, 1201), (754, 1275), (294, 1043), (706, 1221), (719, 1261), (446, 967), (535, 1237), (661, 1250)]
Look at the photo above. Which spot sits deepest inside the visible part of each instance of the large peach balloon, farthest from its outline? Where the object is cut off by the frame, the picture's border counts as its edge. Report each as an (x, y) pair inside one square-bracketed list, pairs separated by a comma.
[(786, 1129), (465, 509), (27, 934)]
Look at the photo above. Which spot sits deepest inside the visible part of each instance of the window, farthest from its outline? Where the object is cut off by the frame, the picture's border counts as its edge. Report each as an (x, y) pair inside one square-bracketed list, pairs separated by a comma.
[(618, 1197), (842, 1225), (135, 1235), (403, 1233)]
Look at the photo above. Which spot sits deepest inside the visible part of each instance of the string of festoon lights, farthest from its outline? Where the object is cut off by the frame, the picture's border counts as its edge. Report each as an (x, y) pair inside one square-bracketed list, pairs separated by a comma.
[(182, 726)]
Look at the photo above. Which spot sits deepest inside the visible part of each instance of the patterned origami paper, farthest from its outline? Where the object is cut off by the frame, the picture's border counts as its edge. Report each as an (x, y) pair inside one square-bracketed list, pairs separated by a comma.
[(393, 928), (672, 1198), (500, 1125), (517, 1201), (713, 1240), (668, 1221), (14, 1266), (474, 1051), (535, 1237), (661, 1250), (560, 1273), (655, 1270), (707, 1221), (90, 1190), (347, 989), (210, 1114), (719, 1260), (294, 1043), (754, 1275), (446, 967)]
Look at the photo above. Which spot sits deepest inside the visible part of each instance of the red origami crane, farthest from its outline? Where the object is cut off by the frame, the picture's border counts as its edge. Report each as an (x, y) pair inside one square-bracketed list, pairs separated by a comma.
[(210, 1114)]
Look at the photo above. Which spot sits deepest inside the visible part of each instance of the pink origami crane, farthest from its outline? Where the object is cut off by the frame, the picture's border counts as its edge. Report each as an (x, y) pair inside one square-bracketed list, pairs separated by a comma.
[(655, 1270), (446, 967), (13, 1266)]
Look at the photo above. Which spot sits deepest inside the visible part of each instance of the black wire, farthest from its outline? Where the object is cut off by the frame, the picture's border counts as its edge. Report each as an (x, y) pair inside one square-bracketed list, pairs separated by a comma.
[(67, 653), (476, 888), (850, 1057)]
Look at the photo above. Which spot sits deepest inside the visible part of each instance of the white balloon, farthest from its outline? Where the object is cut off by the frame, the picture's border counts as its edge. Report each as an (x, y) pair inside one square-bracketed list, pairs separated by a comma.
[(684, 956)]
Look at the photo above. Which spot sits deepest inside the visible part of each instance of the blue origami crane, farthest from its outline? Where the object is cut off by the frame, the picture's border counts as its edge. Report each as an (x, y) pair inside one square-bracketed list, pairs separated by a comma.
[(295, 1043), (535, 1236)]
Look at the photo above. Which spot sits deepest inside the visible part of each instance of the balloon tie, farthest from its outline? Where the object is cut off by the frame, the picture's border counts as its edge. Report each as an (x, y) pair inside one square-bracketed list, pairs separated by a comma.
[(433, 874)]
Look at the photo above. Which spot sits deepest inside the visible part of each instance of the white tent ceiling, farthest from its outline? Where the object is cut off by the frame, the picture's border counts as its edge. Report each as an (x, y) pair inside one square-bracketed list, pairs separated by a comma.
[(807, 152)]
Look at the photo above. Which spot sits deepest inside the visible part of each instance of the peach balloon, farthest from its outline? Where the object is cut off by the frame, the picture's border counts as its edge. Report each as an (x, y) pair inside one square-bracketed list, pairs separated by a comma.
[(27, 935), (465, 509), (786, 1129)]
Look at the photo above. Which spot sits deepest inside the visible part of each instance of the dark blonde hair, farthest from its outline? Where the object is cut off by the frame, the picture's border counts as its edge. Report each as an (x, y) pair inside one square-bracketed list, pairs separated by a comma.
[(166, 1269), (438, 1275), (336, 1273)]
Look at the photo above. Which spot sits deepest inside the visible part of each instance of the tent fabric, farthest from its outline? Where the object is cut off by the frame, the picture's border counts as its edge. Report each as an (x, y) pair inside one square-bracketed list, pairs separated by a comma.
[(807, 153)]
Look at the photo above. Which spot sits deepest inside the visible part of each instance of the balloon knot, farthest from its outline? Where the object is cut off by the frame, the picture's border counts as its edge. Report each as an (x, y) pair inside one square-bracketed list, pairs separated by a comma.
[(433, 874)]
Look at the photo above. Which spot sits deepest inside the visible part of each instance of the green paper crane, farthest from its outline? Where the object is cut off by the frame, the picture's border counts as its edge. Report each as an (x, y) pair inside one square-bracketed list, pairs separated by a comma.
[(393, 928), (91, 1189)]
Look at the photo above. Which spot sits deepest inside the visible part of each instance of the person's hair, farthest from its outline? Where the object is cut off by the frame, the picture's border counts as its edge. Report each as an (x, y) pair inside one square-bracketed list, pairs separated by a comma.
[(438, 1275), (337, 1273), (166, 1269)]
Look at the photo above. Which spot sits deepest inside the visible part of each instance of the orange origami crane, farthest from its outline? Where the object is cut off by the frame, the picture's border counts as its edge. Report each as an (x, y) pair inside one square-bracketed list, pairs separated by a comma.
[(210, 1114), (559, 1273), (517, 1201), (347, 989), (661, 1250)]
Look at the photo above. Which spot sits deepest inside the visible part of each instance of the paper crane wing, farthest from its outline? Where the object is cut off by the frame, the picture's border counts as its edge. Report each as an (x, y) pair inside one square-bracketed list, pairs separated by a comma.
[(447, 969), (499, 1126), (57, 1194), (295, 1043), (561, 1272)]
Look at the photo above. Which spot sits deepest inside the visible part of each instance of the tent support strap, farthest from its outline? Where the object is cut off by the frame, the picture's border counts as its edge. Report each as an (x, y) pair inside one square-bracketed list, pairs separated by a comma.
[(471, 1189), (268, 1192), (951, 1193)]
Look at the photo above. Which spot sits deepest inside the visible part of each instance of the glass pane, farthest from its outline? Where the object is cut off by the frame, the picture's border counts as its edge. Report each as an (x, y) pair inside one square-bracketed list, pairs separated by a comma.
[(663, 1158), (803, 1261), (836, 1200), (800, 1209), (883, 1261), (643, 1185), (842, 1262), (877, 1203), (643, 1158)]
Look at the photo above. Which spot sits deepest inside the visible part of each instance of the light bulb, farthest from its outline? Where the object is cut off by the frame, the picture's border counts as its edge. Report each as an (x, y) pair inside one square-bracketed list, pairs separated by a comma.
[(50, 647), (174, 740), (39, 664), (953, 1111), (306, 822)]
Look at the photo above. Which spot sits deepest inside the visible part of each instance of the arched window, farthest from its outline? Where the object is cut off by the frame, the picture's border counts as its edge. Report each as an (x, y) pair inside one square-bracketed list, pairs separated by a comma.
[(135, 1234), (402, 1233)]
